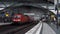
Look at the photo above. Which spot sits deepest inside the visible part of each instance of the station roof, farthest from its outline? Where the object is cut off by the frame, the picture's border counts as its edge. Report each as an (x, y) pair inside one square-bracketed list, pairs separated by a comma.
[(12, 4), (34, 1), (30, 5)]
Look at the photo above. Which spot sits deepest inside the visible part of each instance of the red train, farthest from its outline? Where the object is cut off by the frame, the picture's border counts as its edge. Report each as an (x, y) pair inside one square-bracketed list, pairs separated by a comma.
[(20, 18)]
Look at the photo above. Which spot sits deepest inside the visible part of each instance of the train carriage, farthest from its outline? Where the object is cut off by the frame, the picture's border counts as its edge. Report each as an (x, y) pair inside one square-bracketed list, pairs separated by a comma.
[(20, 18)]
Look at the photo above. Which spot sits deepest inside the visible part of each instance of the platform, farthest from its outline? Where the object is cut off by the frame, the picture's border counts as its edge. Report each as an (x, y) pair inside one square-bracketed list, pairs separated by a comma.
[(47, 29), (5, 23), (43, 28)]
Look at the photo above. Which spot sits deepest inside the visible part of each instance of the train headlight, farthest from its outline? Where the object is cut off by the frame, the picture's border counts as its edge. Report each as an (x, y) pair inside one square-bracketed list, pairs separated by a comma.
[(14, 20), (18, 20)]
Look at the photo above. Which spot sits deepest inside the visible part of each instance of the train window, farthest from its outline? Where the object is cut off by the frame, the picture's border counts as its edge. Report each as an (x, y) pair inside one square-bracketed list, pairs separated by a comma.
[(14, 16), (17, 16)]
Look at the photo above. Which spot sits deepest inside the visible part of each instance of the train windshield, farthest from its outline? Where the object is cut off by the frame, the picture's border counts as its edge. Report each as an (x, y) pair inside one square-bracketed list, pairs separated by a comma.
[(17, 16)]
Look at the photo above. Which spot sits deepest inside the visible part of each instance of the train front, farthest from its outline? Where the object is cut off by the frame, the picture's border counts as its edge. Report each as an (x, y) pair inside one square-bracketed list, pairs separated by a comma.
[(16, 18)]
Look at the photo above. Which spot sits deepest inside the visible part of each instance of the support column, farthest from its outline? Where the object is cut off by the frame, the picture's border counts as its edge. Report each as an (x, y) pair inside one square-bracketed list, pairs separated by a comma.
[(56, 9)]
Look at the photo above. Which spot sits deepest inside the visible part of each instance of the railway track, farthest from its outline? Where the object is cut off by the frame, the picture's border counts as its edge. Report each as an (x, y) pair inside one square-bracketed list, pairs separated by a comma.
[(10, 29), (24, 30)]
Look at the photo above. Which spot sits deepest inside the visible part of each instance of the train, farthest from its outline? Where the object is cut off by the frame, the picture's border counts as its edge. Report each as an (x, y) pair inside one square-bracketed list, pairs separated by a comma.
[(20, 18)]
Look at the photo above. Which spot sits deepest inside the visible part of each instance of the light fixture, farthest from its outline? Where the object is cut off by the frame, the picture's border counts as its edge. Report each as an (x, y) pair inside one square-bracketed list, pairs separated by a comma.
[(1, 8)]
